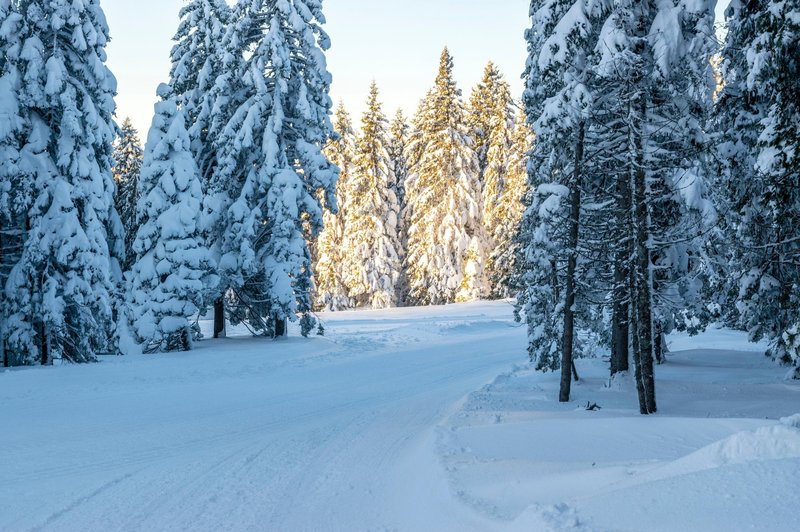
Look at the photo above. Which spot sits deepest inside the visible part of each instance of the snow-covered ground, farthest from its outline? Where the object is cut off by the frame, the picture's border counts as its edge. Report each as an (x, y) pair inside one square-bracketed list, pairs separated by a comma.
[(378, 426), (716, 457)]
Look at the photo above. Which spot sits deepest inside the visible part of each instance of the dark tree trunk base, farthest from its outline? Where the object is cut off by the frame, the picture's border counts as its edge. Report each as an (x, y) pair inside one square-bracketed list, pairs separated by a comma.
[(219, 318), (280, 327)]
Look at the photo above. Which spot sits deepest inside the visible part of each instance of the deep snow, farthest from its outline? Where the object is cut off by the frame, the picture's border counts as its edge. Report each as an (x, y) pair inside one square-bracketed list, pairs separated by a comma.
[(388, 423)]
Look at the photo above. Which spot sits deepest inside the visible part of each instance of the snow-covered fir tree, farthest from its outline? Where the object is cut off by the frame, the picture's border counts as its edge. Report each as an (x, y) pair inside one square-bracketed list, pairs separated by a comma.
[(558, 104), (758, 120), (653, 87), (271, 170), (168, 277), (128, 156), (197, 62), (446, 241), (14, 179), (618, 176), (330, 289), (399, 137), (507, 210), (492, 123), (490, 115), (372, 219), (399, 167), (60, 295)]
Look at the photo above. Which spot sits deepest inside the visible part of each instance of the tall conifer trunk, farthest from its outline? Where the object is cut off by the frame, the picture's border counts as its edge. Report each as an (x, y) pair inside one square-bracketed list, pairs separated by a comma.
[(643, 329), (2, 318), (572, 262), (219, 317), (280, 326), (620, 329), (44, 350)]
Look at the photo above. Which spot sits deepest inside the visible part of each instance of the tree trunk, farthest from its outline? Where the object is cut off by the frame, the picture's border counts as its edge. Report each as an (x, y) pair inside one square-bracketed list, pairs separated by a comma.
[(620, 330), (643, 331), (219, 317), (620, 337), (186, 339), (280, 327), (44, 350), (572, 262), (658, 342), (2, 286)]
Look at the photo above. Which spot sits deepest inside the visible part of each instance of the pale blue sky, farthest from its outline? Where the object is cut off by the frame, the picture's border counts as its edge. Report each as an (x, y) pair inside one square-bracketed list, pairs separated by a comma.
[(396, 42)]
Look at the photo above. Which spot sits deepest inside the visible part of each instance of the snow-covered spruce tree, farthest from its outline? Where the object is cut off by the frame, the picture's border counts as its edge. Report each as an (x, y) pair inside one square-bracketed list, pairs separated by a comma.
[(15, 186), (655, 76), (492, 121), (168, 277), (371, 237), (329, 258), (558, 104), (446, 240), (489, 111), (196, 65), (59, 296), (758, 119), (203, 76), (270, 163), (128, 155), (399, 167), (508, 209)]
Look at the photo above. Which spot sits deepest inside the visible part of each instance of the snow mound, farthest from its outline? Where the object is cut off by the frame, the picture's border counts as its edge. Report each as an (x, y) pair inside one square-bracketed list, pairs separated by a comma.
[(773, 442), (791, 421)]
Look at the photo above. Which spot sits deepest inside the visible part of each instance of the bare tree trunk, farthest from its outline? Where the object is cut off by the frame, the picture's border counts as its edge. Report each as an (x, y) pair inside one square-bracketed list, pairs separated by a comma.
[(643, 332), (620, 330), (2, 287), (280, 327), (44, 347), (572, 262), (219, 317), (620, 337)]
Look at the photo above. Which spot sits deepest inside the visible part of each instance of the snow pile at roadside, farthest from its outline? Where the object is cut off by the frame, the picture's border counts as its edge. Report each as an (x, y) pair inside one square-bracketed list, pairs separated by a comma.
[(714, 458), (772, 442)]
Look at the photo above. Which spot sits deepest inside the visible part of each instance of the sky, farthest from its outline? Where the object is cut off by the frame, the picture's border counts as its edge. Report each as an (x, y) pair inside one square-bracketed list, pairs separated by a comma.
[(395, 42)]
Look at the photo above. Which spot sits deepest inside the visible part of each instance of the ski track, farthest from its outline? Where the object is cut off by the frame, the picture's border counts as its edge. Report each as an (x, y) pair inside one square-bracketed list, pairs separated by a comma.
[(249, 434)]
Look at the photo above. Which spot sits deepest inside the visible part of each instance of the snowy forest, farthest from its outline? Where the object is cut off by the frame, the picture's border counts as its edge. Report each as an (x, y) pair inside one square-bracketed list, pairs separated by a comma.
[(561, 293), (646, 181)]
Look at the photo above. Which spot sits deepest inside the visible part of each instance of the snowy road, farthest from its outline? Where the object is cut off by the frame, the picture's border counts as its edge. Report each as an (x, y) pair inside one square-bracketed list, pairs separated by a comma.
[(331, 433)]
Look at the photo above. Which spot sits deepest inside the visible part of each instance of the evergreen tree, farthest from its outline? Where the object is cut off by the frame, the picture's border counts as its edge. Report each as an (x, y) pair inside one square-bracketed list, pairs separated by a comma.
[(492, 121), (205, 62), (446, 240), (508, 208), (758, 120), (399, 167), (371, 237), (196, 65), (59, 297), (331, 291), (168, 282), (653, 68), (271, 168), (127, 167), (489, 108), (15, 188), (558, 103)]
